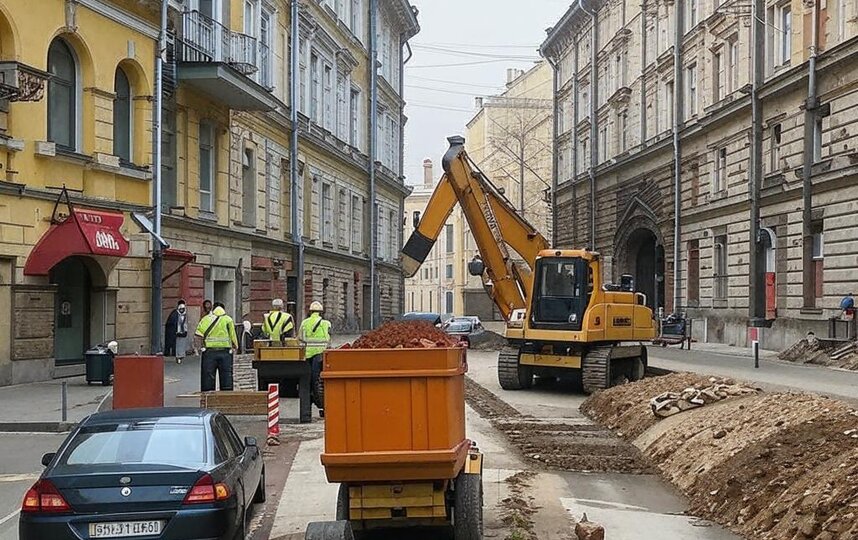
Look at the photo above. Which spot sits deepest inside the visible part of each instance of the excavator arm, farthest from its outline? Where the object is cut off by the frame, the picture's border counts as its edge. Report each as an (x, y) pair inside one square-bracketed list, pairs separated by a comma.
[(495, 225)]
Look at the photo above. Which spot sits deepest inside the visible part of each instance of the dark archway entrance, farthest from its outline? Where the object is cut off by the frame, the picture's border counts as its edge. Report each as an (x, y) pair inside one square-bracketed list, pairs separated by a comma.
[(646, 264), (72, 309)]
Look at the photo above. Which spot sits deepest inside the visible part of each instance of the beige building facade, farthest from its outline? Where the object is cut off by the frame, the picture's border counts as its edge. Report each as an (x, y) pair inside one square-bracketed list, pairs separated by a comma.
[(668, 157)]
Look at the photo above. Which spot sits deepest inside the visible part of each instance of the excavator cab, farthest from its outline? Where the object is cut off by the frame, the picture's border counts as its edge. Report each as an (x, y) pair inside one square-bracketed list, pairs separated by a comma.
[(562, 289)]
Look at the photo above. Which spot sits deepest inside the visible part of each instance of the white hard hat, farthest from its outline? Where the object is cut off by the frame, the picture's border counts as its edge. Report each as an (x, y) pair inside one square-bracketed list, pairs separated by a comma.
[(277, 302), (316, 306)]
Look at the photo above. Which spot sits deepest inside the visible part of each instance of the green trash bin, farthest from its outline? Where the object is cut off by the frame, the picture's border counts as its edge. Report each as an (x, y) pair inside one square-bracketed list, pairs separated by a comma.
[(99, 365)]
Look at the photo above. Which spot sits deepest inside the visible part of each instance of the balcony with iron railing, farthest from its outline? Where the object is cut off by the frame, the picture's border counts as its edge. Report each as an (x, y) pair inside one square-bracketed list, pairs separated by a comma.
[(229, 66)]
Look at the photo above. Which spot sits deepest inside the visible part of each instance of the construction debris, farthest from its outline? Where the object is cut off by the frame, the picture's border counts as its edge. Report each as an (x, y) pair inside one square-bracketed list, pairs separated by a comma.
[(587, 530), (824, 352), (404, 335), (670, 403)]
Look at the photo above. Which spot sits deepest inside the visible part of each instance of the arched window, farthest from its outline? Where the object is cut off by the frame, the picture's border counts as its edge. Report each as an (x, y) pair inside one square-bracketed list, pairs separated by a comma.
[(122, 116), (62, 95)]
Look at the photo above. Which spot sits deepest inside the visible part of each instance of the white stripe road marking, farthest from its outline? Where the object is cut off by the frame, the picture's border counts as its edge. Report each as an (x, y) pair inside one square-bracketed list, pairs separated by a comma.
[(18, 477), (10, 516)]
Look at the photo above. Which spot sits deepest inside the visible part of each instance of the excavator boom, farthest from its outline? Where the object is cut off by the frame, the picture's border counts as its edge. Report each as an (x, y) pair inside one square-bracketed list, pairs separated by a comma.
[(495, 225)]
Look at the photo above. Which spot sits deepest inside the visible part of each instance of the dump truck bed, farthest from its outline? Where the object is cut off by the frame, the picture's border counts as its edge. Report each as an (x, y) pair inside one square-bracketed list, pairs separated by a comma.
[(394, 414)]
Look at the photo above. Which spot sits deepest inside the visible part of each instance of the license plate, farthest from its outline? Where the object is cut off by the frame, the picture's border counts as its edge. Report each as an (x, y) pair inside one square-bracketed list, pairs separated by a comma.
[(124, 529)]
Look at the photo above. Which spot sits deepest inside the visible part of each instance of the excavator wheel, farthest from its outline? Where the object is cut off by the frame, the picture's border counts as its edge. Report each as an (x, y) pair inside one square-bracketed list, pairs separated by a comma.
[(511, 374), (596, 368), (331, 530)]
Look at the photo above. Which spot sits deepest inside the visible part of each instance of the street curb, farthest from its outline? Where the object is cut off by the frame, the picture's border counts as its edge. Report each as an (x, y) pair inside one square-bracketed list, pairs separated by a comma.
[(36, 427)]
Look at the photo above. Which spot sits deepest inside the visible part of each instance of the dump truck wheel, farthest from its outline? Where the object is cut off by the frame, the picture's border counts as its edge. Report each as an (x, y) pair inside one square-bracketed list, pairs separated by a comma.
[(468, 507), (511, 374), (596, 369), (343, 503), (332, 530)]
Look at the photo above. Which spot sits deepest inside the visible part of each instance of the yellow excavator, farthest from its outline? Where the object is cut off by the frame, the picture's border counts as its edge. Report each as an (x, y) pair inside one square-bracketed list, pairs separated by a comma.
[(562, 320)]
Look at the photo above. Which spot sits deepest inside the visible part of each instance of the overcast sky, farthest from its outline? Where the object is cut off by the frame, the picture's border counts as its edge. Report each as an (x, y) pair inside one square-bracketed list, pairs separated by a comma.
[(488, 36)]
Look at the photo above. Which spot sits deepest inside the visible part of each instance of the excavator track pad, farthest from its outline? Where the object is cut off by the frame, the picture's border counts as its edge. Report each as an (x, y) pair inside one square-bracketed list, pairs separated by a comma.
[(596, 368), (511, 374)]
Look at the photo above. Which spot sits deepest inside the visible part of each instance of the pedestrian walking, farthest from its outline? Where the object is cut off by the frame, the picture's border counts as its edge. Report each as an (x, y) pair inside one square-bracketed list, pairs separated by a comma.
[(176, 333), (315, 333), (207, 308), (216, 331), (277, 323)]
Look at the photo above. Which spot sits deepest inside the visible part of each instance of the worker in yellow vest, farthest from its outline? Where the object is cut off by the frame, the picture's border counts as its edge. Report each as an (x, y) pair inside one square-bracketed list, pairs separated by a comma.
[(315, 333), (216, 331), (277, 323)]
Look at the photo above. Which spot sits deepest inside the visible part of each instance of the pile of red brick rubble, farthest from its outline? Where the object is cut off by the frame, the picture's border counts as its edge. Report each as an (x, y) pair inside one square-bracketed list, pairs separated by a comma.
[(405, 335)]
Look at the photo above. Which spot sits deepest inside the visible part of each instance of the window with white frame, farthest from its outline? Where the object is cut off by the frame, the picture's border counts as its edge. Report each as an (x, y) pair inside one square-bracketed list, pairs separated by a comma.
[(357, 223), (383, 234), (394, 234), (266, 48), (302, 75), (691, 14), (719, 267), (342, 108), (719, 178), (327, 213), (328, 121), (208, 160), (354, 117), (775, 148), (668, 105), (779, 35), (732, 78), (315, 88), (343, 218), (719, 78), (248, 187), (357, 19), (691, 90)]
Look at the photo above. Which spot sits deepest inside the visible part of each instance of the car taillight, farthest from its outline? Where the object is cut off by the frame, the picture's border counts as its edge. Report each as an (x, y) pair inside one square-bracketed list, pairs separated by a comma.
[(44, 497), (205, 491)]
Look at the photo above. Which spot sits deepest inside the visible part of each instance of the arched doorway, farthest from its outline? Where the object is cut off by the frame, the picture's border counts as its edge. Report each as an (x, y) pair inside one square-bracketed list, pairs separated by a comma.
[(74, 278), (645, 261)]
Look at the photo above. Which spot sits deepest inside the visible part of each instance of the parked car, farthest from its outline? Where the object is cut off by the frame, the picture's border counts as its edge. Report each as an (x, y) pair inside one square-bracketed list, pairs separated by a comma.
[(171, 474), (433, 318), (464, 328)]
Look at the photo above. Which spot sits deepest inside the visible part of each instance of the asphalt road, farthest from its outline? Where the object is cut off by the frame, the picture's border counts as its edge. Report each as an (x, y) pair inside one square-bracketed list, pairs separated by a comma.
[(19, 467)]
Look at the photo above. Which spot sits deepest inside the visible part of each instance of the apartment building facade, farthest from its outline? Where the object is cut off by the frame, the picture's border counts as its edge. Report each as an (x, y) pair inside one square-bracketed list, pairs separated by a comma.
[(707, 148), (76, 83), (77, 94)]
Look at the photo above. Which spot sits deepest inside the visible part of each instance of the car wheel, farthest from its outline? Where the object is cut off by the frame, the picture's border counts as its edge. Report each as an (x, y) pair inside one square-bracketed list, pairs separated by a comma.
[(259, 496)]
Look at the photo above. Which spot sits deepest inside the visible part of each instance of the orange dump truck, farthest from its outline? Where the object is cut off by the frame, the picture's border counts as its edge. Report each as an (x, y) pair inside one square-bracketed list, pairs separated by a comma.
[(395, 442)]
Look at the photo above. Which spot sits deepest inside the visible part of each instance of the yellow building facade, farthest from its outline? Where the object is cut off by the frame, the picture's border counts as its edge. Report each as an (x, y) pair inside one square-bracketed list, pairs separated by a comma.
[(76, 84)]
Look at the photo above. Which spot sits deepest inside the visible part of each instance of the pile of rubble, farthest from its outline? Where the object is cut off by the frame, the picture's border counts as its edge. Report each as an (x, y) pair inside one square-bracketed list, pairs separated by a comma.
[(669, 403), (771, 466), (831, 353), (404, 335)]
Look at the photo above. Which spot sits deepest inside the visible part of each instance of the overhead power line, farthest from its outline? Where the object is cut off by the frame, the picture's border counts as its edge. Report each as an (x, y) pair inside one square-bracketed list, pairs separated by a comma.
[(447, 81), (456, 52), (481, 46), (461, 64), (474, 94)]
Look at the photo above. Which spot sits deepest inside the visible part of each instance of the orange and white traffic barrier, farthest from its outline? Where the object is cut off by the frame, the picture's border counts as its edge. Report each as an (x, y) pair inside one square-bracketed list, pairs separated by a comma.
[(273, 411)]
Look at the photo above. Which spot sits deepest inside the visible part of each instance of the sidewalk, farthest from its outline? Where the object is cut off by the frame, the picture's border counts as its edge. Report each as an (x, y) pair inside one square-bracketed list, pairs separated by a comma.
[(773, 374), (38, 406)]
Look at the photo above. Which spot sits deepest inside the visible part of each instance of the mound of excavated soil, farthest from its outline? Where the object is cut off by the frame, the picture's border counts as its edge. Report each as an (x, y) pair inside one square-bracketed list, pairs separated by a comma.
[(770, 466), (488, 341), (626, 408), (823, 353)]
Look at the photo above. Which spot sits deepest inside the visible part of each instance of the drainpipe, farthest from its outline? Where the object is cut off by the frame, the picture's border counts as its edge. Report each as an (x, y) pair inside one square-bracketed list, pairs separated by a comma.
[(555, 70), (576, 89), (811, 106), (402, 61), (678, 99), (594, 115), (157, 255), (373, 156), (643, 73), (756, 285), (297, 236)]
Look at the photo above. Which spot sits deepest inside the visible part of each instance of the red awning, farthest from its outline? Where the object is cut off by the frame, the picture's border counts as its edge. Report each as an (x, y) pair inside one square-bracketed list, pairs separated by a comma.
[(84, 232), (174, 261)]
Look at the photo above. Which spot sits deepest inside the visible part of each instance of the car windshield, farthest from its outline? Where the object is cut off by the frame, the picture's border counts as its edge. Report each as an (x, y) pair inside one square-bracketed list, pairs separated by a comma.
[(459, 326), (149, 442)]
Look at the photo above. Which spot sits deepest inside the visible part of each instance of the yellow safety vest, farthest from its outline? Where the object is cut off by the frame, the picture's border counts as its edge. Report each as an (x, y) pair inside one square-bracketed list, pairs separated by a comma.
[(316, 334), (217, 330), (276, 324)]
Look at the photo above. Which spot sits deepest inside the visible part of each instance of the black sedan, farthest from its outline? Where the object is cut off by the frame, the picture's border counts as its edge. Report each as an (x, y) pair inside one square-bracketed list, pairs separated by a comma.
[(166, 474)]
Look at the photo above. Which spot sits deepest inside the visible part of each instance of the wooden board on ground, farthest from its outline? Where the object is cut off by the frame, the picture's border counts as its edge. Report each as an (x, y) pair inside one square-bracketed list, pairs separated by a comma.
[(236, 402)]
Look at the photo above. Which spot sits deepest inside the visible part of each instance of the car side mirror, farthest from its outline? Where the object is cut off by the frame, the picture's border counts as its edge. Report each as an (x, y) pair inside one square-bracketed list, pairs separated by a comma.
[(48, 458), (250, 441)]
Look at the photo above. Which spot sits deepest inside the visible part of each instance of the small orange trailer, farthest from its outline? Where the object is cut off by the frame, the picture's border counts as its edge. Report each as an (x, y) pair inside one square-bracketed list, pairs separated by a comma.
[(395, 442)]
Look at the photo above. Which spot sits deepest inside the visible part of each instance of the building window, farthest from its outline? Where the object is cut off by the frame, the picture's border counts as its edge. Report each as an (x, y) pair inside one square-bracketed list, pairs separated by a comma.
[(315, 89), (779, 35), (693, 273), (668, 105), (329, 99), (818, 258), (266, 45), (327, 214), (122, 116), (691, 15), (302, 76), (695, 183), (719, 183), (342, 109), (343, 218), (603, 144), (719, 77), (733, 67), (448, 237), (719, 264), (248, 187), (448, 271), (354, 118), (62, 95), (449, 298), (357, 223), (775, 148), (624, 121), (691, 89), (207, 167), (357, 29), (817, 139), (786, 34)]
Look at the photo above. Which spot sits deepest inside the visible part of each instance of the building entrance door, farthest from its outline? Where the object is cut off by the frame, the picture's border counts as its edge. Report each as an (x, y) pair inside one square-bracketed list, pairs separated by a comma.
[(72, 310)]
